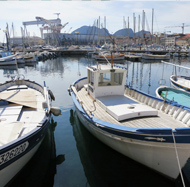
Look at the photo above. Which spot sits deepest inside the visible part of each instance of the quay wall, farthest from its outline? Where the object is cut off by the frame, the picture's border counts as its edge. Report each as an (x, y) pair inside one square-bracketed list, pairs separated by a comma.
[(84, 52)]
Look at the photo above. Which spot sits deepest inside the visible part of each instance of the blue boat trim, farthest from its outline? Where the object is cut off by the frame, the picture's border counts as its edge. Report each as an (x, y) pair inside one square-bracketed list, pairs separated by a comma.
[(182, 135), (173, 103), (177, 85), (118, 66), (79, 80)]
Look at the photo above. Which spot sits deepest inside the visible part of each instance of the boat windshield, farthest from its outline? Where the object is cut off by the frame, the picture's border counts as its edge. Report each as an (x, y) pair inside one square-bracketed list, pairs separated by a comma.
[(110, 79)]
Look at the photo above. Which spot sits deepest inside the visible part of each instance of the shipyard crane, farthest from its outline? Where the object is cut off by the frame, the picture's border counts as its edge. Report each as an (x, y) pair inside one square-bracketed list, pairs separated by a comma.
[(69, 29), (55, 28), (182, 26), (53, 25), (42, 22)]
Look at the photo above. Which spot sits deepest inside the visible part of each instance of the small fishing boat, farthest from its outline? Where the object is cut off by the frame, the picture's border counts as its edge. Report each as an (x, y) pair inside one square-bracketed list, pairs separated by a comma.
[(26, 109), (145, 128), (173, 94), (106, 56), (29, 57), (155, 57), (180, 82), (6, 58)]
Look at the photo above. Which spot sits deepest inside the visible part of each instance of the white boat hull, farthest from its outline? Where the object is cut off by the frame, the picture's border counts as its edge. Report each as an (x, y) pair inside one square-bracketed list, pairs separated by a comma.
[(10, 171), (21, 135), (181, 82), (155, 57), (149, 154), (109, 58)]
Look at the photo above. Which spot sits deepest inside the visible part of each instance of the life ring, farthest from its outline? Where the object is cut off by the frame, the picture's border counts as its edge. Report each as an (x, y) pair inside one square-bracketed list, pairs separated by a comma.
[(51, 95)]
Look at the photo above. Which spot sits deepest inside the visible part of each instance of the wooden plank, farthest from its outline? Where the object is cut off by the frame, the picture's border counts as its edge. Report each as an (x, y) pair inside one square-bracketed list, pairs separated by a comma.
[(9, 113)]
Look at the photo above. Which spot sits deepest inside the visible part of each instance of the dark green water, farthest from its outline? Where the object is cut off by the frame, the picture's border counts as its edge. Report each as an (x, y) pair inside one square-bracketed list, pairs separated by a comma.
[(69, 156)]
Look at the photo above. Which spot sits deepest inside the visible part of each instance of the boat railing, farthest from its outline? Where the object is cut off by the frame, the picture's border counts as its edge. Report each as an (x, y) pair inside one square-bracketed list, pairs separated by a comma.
[(80, 83), (178, 112), (78, 98)]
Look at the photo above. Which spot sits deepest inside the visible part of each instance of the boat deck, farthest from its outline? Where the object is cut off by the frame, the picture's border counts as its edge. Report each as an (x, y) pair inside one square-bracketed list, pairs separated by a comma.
[(183, 82), (17, 119), (162, 120)]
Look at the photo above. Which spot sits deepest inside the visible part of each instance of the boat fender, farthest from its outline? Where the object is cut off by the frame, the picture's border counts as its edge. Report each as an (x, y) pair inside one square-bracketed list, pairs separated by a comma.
[(51, 95), (69, 91), (55, 111)]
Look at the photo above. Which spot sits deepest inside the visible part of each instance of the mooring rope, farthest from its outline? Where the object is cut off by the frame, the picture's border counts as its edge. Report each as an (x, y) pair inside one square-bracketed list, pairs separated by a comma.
[(178, 159)]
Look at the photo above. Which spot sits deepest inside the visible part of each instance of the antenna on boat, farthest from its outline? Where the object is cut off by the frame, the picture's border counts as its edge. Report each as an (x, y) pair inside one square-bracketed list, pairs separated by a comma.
[(113, 46), (111, 60)]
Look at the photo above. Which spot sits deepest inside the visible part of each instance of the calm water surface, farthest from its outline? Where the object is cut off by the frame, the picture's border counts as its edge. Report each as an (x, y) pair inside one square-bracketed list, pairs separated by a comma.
[(69, 156)]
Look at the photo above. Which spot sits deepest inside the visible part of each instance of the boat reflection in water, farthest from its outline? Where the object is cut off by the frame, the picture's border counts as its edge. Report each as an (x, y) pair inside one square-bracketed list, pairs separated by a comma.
[(106, 167), (41, 169)]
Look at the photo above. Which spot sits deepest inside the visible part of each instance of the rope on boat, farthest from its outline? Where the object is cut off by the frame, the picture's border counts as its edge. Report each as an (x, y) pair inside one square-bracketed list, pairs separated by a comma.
[(94, 107), (105, 58), (178, 159)]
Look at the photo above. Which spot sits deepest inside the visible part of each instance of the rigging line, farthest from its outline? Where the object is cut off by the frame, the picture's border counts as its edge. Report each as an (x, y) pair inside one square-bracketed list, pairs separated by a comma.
[(178, 160), (105, 57), (175, 65)]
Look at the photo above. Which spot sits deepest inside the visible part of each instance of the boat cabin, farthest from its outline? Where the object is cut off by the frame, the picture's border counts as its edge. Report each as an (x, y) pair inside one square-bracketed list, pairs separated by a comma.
[(106, 85), (104, 80)]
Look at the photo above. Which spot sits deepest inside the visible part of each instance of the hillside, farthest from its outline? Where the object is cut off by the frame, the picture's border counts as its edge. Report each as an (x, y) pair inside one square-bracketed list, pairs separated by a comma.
[(93, 30)]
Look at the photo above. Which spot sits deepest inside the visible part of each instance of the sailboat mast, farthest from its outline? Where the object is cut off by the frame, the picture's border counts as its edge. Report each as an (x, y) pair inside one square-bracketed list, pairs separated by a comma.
[(143, 25), (152, 22), (134, 24), (139, 28), (128, 27), (105, 28), (13, 34), (7, 36)]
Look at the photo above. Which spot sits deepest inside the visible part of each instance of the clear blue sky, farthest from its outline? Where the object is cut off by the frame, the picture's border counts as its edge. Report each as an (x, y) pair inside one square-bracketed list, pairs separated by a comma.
[(79, 13)]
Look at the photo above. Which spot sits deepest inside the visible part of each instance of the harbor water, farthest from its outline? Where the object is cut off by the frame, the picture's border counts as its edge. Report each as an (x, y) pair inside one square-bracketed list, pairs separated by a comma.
[(69, 155)]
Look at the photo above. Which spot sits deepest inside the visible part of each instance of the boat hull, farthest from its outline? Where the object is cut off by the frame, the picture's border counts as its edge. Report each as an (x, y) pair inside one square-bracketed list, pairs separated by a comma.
[(148, 152), (155, 57), (14, 157), (16, 151), (7, 62), (115, 58), (179, 85), (172, 94)]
